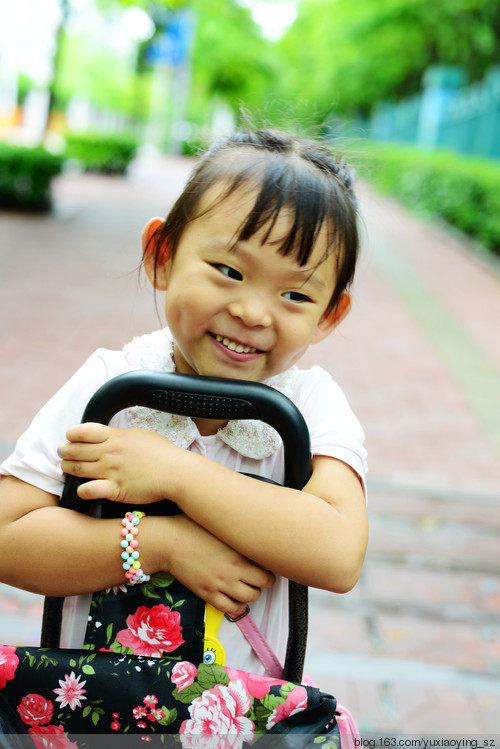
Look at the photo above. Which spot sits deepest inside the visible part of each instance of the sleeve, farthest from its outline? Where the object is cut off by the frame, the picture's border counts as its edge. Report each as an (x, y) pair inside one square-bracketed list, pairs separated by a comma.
[(35, 458), (334, 429)]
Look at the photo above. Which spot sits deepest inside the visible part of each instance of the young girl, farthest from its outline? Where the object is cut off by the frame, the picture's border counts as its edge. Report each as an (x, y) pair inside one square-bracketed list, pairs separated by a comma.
[(256, 258)]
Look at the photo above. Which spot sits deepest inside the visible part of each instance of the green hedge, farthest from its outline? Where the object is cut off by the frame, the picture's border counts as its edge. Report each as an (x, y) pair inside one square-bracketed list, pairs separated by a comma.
[(26, 175), (105, 154), (462, 190)]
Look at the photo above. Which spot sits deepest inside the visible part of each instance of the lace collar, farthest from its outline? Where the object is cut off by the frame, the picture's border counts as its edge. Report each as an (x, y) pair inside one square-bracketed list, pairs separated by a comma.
[(251, 438)]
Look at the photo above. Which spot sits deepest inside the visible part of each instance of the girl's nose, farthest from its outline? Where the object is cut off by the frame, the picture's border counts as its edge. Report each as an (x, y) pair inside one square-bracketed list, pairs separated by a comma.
[(252, 310)]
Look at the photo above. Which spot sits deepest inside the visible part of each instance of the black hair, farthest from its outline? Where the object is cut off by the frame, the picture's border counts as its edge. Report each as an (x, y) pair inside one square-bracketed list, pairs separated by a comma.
[(289, 172)]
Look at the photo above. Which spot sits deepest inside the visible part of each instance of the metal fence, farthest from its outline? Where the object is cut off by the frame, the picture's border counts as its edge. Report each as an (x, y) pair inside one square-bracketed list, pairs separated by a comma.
[(445, 114)]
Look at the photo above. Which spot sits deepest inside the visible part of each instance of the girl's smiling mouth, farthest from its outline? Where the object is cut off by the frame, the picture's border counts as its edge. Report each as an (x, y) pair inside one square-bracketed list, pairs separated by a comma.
[(234, 346)]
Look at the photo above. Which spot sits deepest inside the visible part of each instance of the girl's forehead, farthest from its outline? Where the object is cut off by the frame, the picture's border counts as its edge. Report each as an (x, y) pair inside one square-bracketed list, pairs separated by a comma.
[(226, 213), (223, 198), (236, 207)]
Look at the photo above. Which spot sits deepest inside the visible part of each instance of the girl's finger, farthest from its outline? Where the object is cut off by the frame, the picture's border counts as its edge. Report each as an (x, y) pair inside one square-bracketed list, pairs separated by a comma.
[(83, 469), (79, 452), (225, 603), (89, 432), (258, 577), (99, 489)]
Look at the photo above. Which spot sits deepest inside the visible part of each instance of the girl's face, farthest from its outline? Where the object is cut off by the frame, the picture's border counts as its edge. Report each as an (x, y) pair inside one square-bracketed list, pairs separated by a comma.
[(243, 311)]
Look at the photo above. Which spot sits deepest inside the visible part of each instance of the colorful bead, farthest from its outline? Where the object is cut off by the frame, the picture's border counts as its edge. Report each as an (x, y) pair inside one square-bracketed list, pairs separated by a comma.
[(132, 565)]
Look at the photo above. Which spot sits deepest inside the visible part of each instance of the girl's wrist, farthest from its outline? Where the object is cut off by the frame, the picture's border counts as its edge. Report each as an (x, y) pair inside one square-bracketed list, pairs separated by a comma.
[(161, 539), (175, 475)]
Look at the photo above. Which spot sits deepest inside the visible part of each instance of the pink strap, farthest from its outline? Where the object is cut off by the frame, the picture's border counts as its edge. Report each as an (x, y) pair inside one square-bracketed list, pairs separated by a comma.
[(258, 642), (348, 729)]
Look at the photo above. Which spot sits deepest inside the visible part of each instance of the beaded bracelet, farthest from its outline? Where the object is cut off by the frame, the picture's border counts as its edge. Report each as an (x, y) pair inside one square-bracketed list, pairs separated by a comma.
[(130, 554)]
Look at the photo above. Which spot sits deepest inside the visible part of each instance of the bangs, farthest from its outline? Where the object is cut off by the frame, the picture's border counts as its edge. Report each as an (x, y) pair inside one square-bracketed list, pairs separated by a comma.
[(286, 184)]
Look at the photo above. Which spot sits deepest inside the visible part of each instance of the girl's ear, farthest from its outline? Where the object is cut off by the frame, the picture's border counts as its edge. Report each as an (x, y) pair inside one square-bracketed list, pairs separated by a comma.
[(334, 317), (154, 258)]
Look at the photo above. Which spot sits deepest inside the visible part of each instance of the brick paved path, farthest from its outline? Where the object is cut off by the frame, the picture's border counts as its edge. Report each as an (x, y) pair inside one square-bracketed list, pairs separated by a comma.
[(415, 648)]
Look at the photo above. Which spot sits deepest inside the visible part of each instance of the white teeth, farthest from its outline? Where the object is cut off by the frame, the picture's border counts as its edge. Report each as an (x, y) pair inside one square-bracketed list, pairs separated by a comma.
[(238, 347)]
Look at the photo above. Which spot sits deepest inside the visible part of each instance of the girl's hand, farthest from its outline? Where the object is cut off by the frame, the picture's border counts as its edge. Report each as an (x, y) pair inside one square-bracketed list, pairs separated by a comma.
[(123, 464), (211, 569)]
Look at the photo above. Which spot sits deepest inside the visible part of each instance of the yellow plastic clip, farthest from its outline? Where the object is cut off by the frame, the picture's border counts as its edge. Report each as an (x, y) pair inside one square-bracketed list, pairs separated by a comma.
[(213, 652)]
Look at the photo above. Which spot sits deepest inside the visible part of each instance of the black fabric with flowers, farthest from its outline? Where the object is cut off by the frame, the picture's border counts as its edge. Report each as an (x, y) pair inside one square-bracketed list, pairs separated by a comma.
[(64, 697), (157, 618)]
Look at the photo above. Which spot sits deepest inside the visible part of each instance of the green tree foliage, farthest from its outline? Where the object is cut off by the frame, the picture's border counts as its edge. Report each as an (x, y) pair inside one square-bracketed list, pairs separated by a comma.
[(347, 56), (82, 74), (339, 56), (231, 60)]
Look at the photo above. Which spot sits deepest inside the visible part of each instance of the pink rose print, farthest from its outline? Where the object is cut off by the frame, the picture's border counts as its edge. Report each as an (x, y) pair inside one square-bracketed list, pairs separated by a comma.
[(184, 674), (35, 710), (71, 691), (152, 631), (256, 685), (219, 713), (50, 737), (296, 700), (8, 664)]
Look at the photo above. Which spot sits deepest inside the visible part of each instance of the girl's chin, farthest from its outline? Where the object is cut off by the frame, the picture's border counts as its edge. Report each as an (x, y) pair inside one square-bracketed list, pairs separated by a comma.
[(220, 361)]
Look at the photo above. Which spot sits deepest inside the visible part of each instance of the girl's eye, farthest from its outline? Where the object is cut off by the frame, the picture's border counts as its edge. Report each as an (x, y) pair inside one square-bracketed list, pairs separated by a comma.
[(229, 272), (297, 297)]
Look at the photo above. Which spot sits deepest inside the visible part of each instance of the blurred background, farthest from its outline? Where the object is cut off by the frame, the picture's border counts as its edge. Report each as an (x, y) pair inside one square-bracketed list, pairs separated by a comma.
[(97, 81), (172, 72), (104, 106)]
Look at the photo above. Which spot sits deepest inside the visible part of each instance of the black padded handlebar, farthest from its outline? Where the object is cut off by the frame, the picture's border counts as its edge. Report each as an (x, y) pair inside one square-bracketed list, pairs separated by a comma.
[(208, 398)]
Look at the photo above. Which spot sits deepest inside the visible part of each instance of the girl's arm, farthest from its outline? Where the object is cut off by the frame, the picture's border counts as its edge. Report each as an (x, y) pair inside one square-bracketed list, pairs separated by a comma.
[(53, 551), (317, 536)]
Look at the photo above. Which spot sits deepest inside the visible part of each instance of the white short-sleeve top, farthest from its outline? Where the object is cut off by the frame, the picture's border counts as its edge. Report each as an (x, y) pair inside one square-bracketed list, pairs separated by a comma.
[(249, 447)]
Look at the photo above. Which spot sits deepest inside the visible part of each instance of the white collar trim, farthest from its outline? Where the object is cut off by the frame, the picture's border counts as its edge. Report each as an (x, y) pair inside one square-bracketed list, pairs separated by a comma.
[(251, 438)]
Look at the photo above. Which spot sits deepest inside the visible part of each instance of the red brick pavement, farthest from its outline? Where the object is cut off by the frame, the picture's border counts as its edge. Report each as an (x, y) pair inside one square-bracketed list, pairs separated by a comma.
[(415, 648)]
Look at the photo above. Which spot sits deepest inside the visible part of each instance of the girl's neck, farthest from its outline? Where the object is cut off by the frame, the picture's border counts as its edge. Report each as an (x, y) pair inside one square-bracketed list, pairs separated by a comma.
[(207, 427)]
